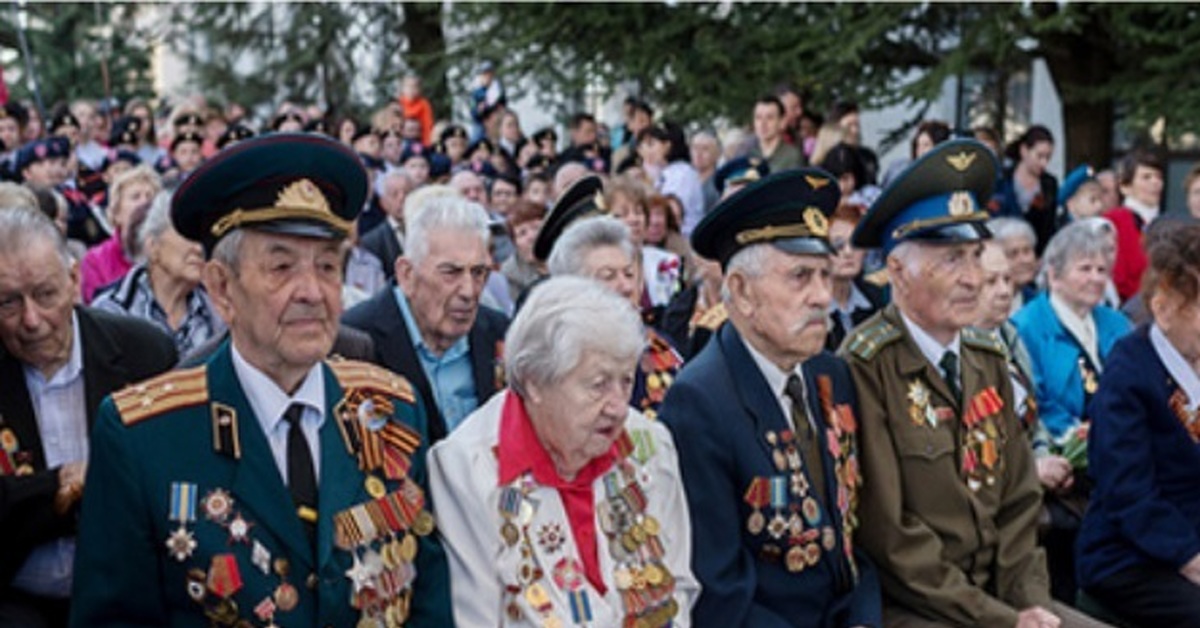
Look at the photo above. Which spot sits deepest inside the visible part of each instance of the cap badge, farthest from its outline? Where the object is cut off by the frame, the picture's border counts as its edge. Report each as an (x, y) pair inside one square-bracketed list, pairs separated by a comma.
[(816, 183), (962, 161), (816, 222), (961, 204), (598, 199)]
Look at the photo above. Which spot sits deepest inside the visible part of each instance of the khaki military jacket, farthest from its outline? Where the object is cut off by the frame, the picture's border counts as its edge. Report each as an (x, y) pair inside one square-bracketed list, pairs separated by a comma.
[(950, 496)]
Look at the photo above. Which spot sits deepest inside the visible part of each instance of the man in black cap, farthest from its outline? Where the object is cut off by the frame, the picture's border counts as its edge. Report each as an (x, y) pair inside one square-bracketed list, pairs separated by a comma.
[(764, 422), (267, 484), (951, 500)]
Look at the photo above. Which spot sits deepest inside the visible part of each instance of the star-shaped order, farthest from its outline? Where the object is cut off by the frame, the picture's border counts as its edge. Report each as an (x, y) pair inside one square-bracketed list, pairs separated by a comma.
[(181, 544)]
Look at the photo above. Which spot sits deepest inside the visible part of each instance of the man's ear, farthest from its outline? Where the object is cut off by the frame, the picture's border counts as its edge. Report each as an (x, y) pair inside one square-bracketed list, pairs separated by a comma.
[(741, 293), (218, 280), (896, 274)]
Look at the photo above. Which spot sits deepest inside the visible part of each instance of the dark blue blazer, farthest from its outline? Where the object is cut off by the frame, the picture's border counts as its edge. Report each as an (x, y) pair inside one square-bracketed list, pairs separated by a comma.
[(1145, 507), (719, 410), (381, 318)]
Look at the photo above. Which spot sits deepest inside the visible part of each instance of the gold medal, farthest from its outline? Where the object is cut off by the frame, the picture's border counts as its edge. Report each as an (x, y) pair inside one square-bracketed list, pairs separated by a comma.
[(654, 575), (552, 621), (423, 525), (651, 526), (366, 621), (623, 578), (509, 533), (408, 548), (375, 487), (536, 596), (638, 533), (286, 597), (756, 522), (795, 559), (812, 554)]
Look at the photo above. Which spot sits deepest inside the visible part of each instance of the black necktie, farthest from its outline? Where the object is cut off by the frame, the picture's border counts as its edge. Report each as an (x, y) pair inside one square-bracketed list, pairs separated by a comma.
[(806, 437), (949, 364), (302, 478)]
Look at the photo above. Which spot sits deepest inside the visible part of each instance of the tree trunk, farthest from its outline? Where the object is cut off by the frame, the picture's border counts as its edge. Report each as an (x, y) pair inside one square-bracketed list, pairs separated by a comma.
[(1081, 61), (427, 52)]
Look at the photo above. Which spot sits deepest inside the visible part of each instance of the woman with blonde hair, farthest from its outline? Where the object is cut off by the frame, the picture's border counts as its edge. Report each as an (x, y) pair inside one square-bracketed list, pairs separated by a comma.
[(107, 262)]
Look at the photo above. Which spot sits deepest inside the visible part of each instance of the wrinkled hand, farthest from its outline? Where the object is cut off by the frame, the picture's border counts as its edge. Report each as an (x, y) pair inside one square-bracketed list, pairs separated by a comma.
[(1191, 570), (1037, 617), (1055, 473), (70, 486)]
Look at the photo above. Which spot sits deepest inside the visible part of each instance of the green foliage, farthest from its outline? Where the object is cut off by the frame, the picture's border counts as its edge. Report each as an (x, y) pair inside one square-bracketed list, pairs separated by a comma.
[(72, 44)]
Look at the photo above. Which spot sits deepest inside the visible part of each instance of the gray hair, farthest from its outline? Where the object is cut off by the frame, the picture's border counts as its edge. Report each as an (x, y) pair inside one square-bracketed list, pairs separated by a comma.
[(1005, 228), (228, 250), (749, 262), (20, 228), (563, 318), (17, 195), (441, 212), (157, 222), (1082, 238), (583, 237)]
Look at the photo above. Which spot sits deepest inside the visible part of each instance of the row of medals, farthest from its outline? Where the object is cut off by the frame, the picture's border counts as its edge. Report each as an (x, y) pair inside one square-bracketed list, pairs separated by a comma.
[(646, 586), (383, 553), (202, 586), (805, 542)]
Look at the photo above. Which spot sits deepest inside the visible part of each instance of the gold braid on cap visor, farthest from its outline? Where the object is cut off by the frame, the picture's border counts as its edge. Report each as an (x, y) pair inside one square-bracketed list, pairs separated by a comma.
[(300, 200)]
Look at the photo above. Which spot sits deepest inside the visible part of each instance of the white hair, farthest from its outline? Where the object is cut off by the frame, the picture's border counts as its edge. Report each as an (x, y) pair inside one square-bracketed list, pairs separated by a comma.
[(424, 194), (748, 262), (441, 213), (1082, 238), (1005, 227), (157, 222), (228, 250), (20, 228), (563, 318), (583, 237)]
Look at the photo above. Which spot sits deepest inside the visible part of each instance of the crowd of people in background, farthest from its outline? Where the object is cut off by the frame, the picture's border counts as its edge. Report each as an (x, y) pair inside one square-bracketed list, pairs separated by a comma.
[(1083, 282)]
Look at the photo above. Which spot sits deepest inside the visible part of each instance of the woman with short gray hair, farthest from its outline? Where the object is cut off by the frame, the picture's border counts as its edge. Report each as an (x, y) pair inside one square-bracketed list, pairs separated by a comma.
[(164, 286), (557, 502)]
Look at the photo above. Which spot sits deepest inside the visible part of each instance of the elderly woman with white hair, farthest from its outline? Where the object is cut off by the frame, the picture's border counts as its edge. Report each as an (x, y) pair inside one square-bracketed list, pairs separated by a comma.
[(558, 503), (1020, 247), (601, 248), (164, 287)]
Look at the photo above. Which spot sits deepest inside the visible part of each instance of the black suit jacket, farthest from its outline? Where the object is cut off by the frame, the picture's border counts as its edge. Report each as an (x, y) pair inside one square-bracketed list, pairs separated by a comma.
[(380, 317), (117, 350), (382, 242)]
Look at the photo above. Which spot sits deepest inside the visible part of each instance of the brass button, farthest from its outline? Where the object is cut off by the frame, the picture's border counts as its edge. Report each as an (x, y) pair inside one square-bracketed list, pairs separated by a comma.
[(311, 581)]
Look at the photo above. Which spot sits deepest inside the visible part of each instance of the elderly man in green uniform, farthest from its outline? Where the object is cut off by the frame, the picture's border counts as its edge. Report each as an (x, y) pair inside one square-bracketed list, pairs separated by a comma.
[(950, 497), (267, 487)]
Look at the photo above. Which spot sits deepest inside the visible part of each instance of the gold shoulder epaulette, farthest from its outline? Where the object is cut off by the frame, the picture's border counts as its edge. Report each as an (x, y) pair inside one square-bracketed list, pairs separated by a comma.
[(713, 317), (161, 394), (983, 339), (866, 341), (878, 278), (352, 374)]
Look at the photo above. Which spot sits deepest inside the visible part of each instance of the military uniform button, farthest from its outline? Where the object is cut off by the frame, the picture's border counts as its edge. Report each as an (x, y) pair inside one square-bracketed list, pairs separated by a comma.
[(311, 581)]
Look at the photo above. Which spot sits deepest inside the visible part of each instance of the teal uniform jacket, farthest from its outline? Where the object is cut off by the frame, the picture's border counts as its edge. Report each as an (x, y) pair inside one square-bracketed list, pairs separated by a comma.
[(171, 437)]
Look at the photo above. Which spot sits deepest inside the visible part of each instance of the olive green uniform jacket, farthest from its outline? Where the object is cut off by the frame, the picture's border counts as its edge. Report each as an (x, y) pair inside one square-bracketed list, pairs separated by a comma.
[(950, 496)]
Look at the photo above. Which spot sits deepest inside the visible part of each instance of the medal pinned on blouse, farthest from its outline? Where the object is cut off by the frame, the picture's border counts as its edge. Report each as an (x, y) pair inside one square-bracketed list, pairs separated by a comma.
[(181, 543), (510, 507), (757, 495)]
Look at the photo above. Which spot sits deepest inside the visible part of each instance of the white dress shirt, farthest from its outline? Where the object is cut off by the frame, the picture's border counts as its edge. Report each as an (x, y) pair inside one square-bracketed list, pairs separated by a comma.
[(60, 406), (777, 381), (932, 349), (269, 402)]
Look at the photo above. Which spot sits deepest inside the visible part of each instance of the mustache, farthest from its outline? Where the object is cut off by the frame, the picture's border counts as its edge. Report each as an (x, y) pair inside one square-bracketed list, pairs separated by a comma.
[(812, 316), (305, 312)]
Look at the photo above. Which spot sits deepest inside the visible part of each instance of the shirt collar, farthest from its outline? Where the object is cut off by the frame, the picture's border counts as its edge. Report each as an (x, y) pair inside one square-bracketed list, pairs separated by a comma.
[(857, 301), (775, 376), (459, 347), (519, 450), (69, 372), (930, 348), (1177, 367), (1083, 329), (1145, 212), (269, 401)]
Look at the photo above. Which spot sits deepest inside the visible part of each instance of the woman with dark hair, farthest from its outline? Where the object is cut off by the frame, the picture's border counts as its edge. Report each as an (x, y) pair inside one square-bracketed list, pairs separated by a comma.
[(929, 133), (843, 162), (1026, 190), (1139, 545), (1141, 181), (665, 157)]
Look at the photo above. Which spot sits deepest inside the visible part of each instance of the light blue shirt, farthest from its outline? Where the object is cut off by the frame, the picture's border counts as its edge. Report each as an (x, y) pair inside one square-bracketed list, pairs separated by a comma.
[(450, 375), (60, 406), (268, 402)]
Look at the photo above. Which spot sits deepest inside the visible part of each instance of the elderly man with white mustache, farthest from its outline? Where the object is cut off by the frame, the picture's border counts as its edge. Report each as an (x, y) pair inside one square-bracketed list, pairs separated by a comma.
[(764, 421)]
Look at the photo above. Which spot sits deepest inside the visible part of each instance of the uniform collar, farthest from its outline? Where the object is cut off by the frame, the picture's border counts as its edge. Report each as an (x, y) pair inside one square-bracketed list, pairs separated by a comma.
[(930, 348)]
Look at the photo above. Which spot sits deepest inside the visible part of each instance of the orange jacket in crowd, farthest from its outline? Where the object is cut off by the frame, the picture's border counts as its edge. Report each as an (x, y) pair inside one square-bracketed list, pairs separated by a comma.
[(420, 109)]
